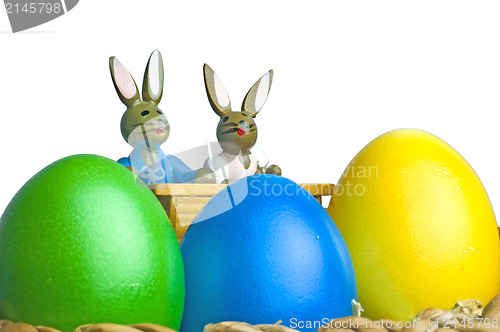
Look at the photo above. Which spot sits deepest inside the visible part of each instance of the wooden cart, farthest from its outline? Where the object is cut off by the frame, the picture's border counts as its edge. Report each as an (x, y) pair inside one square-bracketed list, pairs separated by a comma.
[(183, 201)]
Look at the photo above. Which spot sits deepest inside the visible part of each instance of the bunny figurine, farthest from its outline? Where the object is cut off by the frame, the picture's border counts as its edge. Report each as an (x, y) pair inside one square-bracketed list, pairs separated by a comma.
[(236, 131), (145, 127)]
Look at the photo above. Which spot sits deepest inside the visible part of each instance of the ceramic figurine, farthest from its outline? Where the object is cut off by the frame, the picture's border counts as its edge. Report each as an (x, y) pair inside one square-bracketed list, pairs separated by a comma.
[(237, 131), (145, 127)]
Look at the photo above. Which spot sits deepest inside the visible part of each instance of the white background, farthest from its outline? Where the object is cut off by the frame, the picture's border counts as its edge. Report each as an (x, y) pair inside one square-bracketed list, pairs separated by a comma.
[(345, 73)]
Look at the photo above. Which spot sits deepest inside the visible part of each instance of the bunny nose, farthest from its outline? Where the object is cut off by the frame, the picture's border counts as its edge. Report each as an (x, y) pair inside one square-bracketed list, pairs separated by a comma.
[(242, 130), (160, 127)]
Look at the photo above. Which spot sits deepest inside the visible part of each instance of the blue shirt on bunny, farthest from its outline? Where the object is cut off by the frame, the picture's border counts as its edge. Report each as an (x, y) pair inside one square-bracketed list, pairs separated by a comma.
[(168, 168)]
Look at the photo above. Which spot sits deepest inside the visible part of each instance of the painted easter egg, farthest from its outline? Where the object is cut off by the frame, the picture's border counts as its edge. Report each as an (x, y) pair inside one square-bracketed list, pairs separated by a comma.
[(264, 250), (81, 243), (418, 224)]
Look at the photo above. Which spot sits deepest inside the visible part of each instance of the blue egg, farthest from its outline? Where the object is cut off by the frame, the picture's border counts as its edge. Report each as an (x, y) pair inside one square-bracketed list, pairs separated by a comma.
[(264, 250)]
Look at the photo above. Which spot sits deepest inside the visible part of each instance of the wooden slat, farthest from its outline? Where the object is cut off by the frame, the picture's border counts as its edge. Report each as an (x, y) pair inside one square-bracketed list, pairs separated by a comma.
[(186, 189), (183, 201), (191, 189), (319, 189), (186, 220), (188, 208), (190, 204)]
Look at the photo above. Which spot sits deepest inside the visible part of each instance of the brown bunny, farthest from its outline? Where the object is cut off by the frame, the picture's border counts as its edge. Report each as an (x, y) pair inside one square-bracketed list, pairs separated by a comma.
[(145, 127), (237, 131)]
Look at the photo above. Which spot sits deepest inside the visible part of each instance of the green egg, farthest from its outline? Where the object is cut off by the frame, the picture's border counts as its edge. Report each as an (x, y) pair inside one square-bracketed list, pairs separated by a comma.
[(82, 243)]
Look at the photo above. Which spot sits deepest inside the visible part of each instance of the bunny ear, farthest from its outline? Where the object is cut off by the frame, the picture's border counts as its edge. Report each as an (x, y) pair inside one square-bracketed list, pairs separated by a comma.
[(257, 95), (124, 83), (217, 94), (152, 86)]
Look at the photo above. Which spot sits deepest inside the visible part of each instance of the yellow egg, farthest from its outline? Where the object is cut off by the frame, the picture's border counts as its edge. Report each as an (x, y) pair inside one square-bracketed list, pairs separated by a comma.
[(418, 224)]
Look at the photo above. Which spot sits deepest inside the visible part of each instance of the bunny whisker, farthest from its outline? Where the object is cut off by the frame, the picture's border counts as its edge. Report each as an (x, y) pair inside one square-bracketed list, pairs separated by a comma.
[(232, 130), (230, 124), (152, 130)]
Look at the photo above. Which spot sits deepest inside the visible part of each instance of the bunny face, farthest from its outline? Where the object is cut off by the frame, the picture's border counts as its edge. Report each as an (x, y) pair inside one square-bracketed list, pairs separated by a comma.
[(236, 131), (143, 124)]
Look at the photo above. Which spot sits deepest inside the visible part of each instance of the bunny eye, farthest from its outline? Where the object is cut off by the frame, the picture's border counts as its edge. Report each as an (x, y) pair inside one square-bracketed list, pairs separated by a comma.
[(225, 118), (144, 113), (159, 112), (244, 114)]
